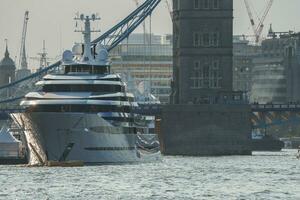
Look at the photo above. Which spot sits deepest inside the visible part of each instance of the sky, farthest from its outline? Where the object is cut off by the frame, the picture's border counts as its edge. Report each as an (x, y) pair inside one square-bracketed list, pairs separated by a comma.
[(52, 21)]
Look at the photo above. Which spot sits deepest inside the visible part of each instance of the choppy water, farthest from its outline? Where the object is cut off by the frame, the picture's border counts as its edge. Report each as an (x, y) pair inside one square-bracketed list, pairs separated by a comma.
[(262, 176)]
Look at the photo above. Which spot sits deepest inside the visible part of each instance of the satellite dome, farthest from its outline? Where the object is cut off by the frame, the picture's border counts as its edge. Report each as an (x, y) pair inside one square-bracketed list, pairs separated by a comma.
[(68, 56), (77, 49), (102, 53)]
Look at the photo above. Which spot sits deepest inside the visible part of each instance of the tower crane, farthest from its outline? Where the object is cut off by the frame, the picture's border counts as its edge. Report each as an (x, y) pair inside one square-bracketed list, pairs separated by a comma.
[(169, 9), (257, 29), (261, 23), (137, 3), (22, 58)]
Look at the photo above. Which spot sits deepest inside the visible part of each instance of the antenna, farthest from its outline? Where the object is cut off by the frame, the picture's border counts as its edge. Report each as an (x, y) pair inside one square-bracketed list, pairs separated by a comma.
[(43, 54), (6, 49), (83, 18), (87, 54)]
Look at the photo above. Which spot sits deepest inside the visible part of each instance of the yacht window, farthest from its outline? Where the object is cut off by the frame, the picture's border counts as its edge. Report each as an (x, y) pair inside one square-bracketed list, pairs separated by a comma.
[(83, 88), (87, 69), (79, 108)]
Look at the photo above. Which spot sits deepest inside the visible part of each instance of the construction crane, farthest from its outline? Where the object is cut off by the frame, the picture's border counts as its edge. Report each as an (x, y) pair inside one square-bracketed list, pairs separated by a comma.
[(146, 38), (137, 3), (258, 29), (22, 58), (169, 9)]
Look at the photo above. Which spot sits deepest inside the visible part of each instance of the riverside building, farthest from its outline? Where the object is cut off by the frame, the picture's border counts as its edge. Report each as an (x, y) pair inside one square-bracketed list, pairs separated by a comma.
[(243, 55), (276, 72), (148, 61)]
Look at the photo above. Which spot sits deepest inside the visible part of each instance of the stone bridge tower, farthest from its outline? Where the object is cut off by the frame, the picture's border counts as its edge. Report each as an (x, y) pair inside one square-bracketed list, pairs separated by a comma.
[(203, 119), (202, 50)]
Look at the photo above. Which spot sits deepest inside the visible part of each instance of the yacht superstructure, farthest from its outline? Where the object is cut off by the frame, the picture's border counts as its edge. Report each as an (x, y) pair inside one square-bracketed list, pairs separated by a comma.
[(85, 113)]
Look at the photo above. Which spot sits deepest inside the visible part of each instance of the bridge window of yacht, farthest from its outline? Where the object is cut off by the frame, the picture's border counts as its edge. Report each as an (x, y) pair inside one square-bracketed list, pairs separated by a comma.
[(83, 88), (87, 69), (130, 99), (126, 130), (120, 98), (119, 119), (79, 108)]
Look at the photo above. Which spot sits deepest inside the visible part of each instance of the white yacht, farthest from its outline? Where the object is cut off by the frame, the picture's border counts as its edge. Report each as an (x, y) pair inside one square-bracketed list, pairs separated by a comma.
[(85, 113)]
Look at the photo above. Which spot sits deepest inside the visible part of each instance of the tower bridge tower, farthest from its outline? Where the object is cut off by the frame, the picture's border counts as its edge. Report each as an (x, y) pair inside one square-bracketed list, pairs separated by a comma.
[(202, 50), (202, 119)]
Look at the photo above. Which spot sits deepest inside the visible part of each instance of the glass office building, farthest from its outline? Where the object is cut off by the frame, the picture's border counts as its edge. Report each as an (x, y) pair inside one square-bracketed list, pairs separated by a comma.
[(147, 61)]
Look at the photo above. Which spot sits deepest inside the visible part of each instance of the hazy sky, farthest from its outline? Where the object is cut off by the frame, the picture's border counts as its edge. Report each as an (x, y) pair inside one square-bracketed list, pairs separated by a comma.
[(52, 20)]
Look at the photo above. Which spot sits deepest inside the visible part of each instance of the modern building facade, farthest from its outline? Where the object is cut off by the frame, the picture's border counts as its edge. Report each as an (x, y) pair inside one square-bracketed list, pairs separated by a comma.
[(276, 74), (202, 50), (292, 64), (148, 61), (269, 84), (243, 55)]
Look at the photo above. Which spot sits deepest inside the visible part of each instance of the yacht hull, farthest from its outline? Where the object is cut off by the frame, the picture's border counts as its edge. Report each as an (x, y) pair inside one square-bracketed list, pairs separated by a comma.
[(84, 137)]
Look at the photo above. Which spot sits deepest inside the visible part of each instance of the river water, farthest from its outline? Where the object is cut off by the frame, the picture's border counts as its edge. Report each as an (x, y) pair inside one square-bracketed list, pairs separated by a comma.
[(261, 176)]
